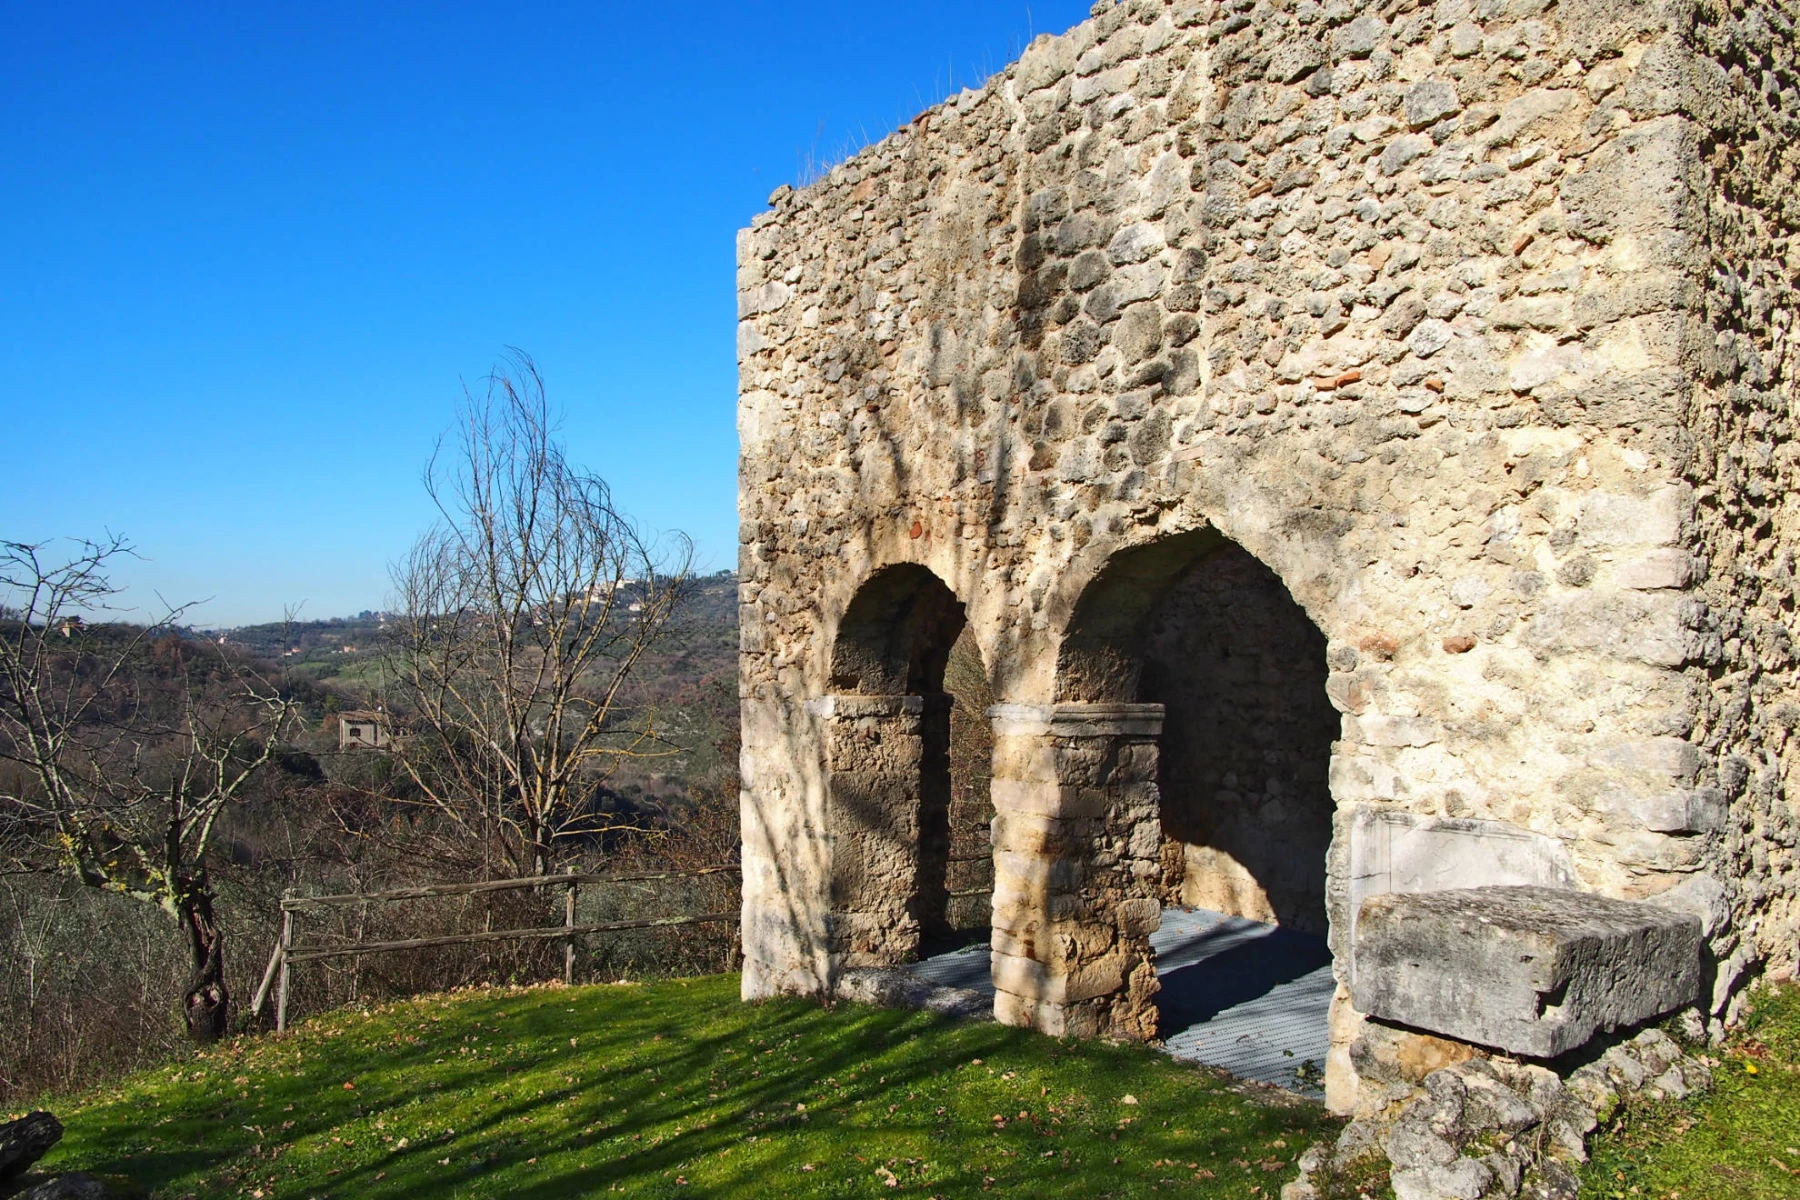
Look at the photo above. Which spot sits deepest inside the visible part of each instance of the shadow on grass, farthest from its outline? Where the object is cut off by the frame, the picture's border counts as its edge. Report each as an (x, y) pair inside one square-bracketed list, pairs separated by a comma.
[(665, 1082)]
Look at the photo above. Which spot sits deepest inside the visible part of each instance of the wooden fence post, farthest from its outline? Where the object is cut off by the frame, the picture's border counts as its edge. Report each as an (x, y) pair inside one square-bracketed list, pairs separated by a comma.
[(287, 942), (569, 923), (268, 980)]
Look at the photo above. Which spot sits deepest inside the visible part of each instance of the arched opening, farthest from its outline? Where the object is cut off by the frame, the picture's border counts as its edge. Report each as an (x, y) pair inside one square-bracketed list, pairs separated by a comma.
[(1197, 631), (1246, 746), (896, 635), (908, 806)]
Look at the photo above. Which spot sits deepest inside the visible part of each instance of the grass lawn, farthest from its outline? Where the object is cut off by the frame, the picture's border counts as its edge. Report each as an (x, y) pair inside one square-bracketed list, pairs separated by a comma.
[(677, 1089), (1741, 1141)]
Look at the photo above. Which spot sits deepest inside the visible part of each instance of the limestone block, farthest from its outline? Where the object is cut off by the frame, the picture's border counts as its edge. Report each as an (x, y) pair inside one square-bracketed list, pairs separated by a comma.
[(1076, 720), (1033, 980), (1401, 852), (1294, 58), (1384, 1056), (1691, 810), (891, 988), (1021, 976), (1100, 978), (1665, 568), (1044, 63), (1595, 26), (1610, 519), (1359, 38), (1141, 916), (1053, 1018), (1375, 730), (1016, 923), (1034, 874), (1670, 757), (1529, 970), (873, 939), (1048, 799), (1430, 101), (1632, 184), (1024, 759), (1029, 833), (1701, 896), (1016, 1010), (766, 299), (1647, 627), (1017, 908)]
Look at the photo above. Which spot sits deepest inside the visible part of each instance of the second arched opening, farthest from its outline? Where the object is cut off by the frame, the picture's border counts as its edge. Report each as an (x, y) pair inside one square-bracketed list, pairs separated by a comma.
[(1191, 741)]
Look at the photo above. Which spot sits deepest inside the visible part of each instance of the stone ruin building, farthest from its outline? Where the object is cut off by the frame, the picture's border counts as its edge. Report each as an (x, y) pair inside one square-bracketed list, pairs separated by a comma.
[(1350, 447)]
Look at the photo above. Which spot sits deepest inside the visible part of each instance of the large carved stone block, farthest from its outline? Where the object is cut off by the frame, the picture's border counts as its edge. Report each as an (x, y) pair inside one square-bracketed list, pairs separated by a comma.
[(1529, 970)]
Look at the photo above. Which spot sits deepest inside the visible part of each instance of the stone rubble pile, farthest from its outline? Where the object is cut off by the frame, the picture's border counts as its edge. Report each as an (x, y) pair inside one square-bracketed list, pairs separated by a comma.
[(1493, 1127)]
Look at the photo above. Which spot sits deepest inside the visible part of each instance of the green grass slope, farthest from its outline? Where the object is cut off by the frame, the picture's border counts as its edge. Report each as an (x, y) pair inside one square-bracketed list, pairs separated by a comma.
[(1740, 1141), (677, 1089)]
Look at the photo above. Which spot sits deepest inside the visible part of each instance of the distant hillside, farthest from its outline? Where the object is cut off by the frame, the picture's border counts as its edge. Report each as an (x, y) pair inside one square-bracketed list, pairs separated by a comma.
[(690, 680), (706, 627)]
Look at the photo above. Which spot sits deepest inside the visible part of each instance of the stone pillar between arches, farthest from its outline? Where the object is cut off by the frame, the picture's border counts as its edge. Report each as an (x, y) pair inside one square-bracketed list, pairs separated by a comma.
[(887, 819), (1076, 841)]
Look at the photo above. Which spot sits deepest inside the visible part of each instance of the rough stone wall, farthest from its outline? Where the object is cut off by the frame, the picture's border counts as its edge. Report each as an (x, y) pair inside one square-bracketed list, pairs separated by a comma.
[(1246, 746), (1740, 85), (888, 760), (970, 877), (1495, 1129), (1420, 306)]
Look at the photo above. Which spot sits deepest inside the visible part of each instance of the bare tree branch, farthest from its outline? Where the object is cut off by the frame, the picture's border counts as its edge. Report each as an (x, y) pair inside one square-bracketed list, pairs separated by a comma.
[(128, 743), (521, 616)]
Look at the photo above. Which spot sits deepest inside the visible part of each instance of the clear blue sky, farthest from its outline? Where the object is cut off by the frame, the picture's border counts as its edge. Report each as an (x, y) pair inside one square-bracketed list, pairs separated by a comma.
[(248, 253)]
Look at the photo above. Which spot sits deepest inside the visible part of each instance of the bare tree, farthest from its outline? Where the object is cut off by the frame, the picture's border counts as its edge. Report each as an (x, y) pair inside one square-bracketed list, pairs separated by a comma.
[(123, 745), (521, 618)]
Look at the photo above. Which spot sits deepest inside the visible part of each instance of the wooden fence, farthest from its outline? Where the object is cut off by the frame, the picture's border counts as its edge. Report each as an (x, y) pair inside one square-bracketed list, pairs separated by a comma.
[(287, 954)]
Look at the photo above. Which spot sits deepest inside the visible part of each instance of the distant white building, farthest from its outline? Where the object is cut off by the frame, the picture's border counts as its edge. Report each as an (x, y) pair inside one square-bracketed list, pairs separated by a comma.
[(361, 730)]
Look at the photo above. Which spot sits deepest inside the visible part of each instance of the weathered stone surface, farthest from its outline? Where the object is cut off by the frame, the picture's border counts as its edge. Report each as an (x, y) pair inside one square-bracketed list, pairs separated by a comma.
[(1429, 102), (1486, 1128), (1447, 320), (1529, 970), (1400, 852), (24, 1141)]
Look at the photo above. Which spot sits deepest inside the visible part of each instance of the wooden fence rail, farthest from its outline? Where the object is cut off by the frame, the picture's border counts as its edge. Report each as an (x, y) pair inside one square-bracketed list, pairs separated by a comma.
[(286, 954), (296, 903)]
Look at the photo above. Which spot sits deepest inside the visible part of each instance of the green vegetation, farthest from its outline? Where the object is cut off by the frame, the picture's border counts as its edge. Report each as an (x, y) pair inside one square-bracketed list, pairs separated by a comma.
[(1741, 1140), (673, 1089), (98, 988)]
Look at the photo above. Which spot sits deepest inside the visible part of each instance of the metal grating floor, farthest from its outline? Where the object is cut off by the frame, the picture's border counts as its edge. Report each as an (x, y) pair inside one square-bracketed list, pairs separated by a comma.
[(1236, 994)]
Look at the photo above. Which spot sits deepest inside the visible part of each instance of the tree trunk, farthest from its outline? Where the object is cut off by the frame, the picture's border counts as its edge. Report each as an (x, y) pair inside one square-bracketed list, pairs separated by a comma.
[(207, 1005)]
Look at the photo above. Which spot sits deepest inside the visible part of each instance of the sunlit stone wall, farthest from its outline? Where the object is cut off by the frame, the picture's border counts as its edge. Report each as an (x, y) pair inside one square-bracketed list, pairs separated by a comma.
[(1471, 322)]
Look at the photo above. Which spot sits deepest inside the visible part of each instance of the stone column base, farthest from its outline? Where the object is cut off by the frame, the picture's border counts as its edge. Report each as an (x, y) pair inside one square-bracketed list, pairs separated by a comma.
[(1076, 839)]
